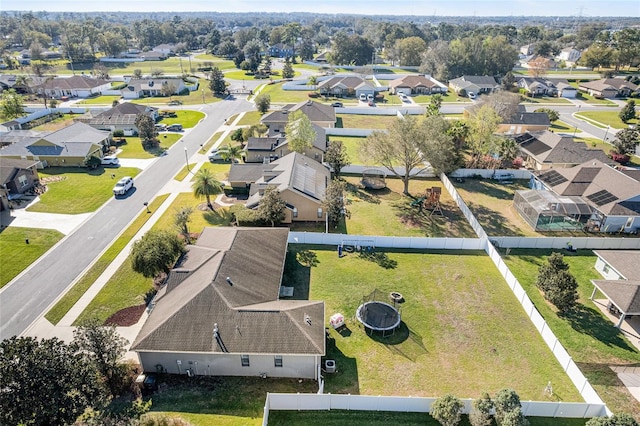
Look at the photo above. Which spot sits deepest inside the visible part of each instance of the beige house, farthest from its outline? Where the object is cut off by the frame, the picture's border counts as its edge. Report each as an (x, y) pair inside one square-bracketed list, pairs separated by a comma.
[(416, 85), (545, 150), (271, 148), (77, 86), (121, 117), (523, 121), (69, 146), (145, 87), (220, 312), (608, 88), (301, 181), (319, 114)]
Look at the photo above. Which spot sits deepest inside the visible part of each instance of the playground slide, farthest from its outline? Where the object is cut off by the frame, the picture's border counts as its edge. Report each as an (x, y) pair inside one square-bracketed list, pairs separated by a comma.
[(418, 201)]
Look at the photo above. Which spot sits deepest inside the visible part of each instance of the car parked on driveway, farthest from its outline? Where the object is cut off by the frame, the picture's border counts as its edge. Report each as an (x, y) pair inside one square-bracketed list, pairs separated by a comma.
[(110, 160), (174, 102), (363, 97), (123, 186), (217, 155), (337, 105), (174, 127)]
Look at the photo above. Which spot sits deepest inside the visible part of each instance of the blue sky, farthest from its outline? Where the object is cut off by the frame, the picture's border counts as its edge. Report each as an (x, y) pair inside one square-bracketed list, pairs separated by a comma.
[(372, 7)]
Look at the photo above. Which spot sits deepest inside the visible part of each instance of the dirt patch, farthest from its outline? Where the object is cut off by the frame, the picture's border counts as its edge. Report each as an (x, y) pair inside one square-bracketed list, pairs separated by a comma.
[(126, 317), (51, 179)]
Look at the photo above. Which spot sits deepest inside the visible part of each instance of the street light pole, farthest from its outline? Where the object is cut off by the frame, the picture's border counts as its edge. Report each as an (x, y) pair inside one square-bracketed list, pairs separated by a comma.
[(186, 157), (606, 132), (576, 128)]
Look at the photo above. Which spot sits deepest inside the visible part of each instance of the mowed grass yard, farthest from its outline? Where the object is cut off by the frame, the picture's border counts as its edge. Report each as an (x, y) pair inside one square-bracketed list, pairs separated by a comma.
[(361, 121), (17, 255), (132, 147), (389, 212), (590, 338), (80, 190), (462, 331)]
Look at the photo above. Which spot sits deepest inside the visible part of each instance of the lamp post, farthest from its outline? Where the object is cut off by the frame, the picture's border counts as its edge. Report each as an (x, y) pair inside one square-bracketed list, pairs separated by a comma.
[(146, 205), (576, 128), (606, 132), (186, 157), (202, 91)]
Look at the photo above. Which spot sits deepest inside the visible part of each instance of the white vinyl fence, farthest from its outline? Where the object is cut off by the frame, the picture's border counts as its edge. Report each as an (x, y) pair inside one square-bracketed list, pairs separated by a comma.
[(420, 243), (327, 402)]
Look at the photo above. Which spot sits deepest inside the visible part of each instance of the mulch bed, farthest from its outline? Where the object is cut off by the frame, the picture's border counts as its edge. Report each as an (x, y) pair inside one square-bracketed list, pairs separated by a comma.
[(126, 317)]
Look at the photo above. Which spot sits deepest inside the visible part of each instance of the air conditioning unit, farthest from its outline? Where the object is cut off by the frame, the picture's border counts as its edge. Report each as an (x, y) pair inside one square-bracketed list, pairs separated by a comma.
[(330, 366), (189, 372)]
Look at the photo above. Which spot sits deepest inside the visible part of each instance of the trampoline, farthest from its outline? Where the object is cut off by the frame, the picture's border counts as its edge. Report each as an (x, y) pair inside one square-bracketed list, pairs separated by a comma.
[(378, 316), (374, 179)]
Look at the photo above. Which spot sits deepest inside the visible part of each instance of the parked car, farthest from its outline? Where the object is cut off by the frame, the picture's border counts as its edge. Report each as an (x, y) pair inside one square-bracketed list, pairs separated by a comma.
[(217, 155), (161, 127), (123, 186), (337, 105), (369, 97), (471, 95), (110, 160), (174, 102), (363, 97), (174, 127)]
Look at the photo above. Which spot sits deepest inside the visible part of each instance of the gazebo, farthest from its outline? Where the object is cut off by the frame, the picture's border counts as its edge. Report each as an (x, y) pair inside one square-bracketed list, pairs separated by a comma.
[(623, 295)]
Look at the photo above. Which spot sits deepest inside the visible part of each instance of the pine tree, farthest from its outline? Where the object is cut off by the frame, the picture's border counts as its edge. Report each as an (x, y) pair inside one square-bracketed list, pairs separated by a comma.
[(628, 112), (217, 84)]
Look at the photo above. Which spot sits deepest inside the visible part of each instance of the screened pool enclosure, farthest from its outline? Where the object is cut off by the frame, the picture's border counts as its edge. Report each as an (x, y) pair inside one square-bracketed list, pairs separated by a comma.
[(546, 211)]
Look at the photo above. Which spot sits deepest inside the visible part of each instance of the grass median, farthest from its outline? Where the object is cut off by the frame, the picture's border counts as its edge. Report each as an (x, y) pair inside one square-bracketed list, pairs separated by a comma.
[(80, 287)]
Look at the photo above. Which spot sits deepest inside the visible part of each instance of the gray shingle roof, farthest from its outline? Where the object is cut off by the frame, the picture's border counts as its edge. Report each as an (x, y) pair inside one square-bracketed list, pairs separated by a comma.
[(625, 262), (532, 118), (316, 112), (549, 147), (9, 167), (624, 294), (246, 310), (125, 113), (248, 172)]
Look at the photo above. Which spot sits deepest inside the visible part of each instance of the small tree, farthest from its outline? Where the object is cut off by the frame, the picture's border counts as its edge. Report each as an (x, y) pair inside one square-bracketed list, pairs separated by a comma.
[(447, 410), (205, 184), (181, 220), (231, 152), (481, 414), (626, 141), (300, 132), (505, 401), (434, 105), (287, 69), (334, 201), (106, 348), (272, 207), (551, 113), (217, 84), (92, 162), (263, 102), (628, 111), (622, 419), (514, 418), (147, 131), (137, 73), (155, 253), (337, 157), (557, 283), (11, 104)]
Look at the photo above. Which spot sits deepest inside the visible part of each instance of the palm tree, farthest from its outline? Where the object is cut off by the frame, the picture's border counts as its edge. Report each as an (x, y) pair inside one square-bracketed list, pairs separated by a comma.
[(231, 152), (205, 184)]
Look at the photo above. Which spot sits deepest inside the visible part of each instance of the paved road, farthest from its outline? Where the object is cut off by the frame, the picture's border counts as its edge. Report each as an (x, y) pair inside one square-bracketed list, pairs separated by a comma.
[(29, 296)]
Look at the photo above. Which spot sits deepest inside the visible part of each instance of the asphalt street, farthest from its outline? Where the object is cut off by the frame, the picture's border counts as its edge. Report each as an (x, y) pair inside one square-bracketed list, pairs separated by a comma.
[(28, 297)]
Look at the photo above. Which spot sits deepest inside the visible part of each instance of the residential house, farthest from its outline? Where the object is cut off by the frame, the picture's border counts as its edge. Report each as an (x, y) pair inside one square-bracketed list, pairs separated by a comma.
[(613, 196), (416, 84), (220, 313), (77, 86), (151, 56), (621, 284), (121, 117), (322, 58), (145, 87), (608, 88), (523, 121), (570, 55), (167, 49), (538, 86), (301, 181), (319, 114), (565, 90), (545, 150), (272, 148), (345, 86), (69, 146), (280, 50), (17, 176), (527, 49), (540, 63), (476, 84)]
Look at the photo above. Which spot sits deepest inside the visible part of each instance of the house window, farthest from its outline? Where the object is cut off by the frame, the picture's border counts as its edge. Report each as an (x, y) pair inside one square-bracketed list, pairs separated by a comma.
[(319, 213), (277, 360), (23, 180), (244, 359), (629, 222), (295, 212), (605, 268)]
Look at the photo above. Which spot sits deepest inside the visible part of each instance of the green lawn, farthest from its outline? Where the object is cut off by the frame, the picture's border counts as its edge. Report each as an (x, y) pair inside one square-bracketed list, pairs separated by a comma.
[(133, 148), (447, 97), (590, 338), (353, 146), (389, 212), (284, 96), (17, 255), (199, 218), (80, 287), (99, 100), (220, 63), (196, 97), (453, 338), (187, 118), (242, 75), (80, 191), (560, 126), (249, 118), (361, 121), (220, 170), (605, 118), (547, 100)]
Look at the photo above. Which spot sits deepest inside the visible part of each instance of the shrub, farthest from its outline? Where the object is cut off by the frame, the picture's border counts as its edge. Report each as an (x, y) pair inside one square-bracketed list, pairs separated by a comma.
[(447, 410), (619, 158), (118, 133)]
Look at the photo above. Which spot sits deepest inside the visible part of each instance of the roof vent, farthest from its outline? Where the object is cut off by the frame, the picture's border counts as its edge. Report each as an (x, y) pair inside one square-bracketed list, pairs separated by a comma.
[(307, 319), (215, 330), (229, 281)]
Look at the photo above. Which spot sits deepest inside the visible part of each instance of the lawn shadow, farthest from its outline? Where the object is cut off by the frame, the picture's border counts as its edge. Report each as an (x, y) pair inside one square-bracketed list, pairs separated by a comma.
[(589, 321), (451, 222), (219, 217), (404, 342), (493, 222), (362, 194), (379, 258), (297, 274), (345, 379)]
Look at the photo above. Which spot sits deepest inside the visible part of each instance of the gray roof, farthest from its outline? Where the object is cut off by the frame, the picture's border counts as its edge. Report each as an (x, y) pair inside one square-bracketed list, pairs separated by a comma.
[(624, 294), (152, 83), (316, 112), (549, 147), (9, 167), (625, 262), (122, 114), (73, 83), (249, 316), (479, 80), (531, 118), (294, 172), (76, 140), (349, 82), (248, 173), (609, 84), (262, 144)]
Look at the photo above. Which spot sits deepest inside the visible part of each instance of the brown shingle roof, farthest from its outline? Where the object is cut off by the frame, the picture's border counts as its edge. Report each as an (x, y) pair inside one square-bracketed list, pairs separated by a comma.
[(246, 309)]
